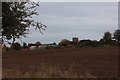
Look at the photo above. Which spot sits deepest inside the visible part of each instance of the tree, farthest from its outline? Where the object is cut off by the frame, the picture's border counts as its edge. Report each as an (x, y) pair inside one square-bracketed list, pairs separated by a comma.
[(38, 43), (24, 45), (107, 38), (16, 46), (17, 19), (64, 42), (116, 35)]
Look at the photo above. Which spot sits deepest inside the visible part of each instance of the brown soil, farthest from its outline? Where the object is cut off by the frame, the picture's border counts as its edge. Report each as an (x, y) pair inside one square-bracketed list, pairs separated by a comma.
[(99, 61)]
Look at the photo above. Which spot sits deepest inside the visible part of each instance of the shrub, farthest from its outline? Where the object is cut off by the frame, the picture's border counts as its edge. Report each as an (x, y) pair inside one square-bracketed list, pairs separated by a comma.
[(71, 46), (56, 47), (24, 45), (116, 35), (88, 43), (15, 46)]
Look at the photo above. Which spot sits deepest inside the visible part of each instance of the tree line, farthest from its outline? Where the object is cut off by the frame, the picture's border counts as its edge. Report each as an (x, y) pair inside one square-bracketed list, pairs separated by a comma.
[(108, 39)]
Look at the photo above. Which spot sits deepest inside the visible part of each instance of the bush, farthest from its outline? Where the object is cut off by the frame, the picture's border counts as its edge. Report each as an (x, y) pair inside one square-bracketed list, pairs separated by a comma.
[(70, 46), (16, 46), (56, 47), (88, 43), (24, 45), (48, 47)]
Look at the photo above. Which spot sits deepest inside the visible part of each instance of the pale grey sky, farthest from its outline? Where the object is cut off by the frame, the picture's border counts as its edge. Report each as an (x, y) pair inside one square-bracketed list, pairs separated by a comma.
[(64, 20)]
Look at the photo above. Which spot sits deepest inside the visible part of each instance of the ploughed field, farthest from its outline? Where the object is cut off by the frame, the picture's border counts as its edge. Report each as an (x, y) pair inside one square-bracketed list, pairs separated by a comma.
[(100, 62)]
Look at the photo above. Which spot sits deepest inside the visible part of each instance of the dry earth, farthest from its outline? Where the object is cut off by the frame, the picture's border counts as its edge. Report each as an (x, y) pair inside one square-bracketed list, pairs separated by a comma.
[(98, 61)]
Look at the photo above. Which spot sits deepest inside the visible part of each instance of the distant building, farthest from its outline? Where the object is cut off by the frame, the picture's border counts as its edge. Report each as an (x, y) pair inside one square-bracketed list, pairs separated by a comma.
[(50, 45), (37, 44), (75, 39), (30, 45)]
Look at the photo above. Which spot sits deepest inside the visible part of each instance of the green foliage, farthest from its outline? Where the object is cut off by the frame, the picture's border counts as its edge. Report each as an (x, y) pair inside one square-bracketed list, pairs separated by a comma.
[(16, 46), (117, 35), (48, 47), (17, 19), (88, 43), (24, 45), (57, 47), (107, 38), (52, 47), (70, 46)]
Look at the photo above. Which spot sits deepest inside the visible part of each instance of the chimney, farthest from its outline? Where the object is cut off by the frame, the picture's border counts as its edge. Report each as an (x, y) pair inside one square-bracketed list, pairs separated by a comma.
[(75, 39)]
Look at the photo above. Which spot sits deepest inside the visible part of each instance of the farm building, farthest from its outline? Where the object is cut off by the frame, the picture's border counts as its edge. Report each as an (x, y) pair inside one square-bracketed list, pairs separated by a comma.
[(41, 46), (50, 45)]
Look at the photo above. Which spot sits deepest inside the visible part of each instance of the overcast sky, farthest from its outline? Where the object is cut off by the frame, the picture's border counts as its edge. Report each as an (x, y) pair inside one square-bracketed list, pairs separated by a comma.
[(65, 20)]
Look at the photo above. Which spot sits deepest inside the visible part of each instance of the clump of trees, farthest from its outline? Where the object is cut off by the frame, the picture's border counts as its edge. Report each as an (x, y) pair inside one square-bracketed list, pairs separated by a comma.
[(108, 39), (117, 36), (64, 42), (16, 46), (88, 43)]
